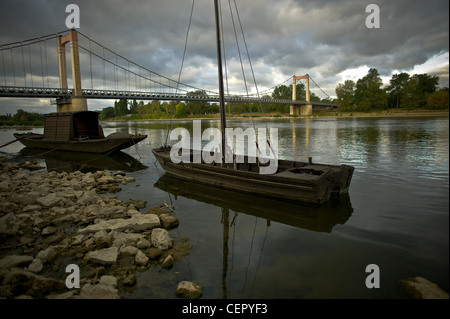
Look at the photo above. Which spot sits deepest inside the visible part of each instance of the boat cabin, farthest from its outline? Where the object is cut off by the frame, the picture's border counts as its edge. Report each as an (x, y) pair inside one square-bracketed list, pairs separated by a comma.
[(73, 126)]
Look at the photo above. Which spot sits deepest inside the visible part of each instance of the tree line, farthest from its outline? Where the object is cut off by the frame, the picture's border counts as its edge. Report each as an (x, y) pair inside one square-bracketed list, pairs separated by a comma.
[(404, 91), (23, 118), (175, 109)]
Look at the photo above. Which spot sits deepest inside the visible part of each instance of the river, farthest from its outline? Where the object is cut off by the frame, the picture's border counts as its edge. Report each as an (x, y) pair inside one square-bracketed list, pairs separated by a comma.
[(396, 215)]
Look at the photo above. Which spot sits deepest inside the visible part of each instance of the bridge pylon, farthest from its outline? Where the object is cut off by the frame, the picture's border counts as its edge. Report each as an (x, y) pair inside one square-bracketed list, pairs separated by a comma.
[(76, 102), (301, 109)]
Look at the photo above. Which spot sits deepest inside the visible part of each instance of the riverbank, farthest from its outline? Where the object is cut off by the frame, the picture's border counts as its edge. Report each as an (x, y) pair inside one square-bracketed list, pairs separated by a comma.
[(388, 113), (50, 221), (331, 114)]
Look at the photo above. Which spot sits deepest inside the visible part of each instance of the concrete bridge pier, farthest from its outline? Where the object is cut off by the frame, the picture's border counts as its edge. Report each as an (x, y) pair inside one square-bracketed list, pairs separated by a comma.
[(301, 110), (76, 102)]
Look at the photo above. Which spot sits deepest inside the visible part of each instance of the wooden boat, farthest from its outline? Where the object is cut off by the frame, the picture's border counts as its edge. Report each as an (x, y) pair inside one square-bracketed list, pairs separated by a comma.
[(298, 181), (306, 182), (77, 132)]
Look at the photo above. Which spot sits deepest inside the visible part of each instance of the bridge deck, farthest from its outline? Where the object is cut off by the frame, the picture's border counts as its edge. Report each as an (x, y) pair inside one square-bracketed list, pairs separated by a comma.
[(27, 92)]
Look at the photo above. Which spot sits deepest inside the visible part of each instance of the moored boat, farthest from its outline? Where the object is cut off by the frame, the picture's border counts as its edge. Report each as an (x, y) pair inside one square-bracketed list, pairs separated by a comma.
[(298, 181), (77, 132), (306, 182)]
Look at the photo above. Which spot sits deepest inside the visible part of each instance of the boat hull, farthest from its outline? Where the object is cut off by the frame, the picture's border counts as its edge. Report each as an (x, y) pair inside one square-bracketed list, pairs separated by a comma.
[(101, 146), (296, 181)]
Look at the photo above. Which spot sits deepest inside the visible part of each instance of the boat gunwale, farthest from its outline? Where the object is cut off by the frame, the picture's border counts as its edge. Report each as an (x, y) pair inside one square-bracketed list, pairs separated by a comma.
[(283, 176)]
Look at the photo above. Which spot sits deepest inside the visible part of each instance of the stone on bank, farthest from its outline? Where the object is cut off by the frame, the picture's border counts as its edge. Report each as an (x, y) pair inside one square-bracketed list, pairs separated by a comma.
[(49, 217)]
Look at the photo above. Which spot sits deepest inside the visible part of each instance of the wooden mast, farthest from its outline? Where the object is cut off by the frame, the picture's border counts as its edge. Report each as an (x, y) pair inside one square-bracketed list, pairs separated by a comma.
[(223, 123)]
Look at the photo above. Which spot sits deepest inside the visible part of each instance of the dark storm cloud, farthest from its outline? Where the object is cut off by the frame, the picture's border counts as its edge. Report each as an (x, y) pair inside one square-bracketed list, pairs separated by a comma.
[(284, 37)]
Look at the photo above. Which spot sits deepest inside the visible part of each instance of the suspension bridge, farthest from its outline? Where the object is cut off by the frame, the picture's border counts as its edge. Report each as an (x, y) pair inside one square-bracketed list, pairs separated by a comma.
[(36, 68)]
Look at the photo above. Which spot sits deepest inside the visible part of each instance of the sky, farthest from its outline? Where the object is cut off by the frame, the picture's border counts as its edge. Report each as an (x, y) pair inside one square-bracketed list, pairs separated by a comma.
[(327, 39)]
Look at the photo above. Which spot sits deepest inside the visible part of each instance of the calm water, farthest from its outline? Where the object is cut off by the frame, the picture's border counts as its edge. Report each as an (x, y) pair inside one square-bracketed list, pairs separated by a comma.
[(396, 215)]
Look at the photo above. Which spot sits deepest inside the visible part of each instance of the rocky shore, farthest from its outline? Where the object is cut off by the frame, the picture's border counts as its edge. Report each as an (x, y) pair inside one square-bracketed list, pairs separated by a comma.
[(50, 222)]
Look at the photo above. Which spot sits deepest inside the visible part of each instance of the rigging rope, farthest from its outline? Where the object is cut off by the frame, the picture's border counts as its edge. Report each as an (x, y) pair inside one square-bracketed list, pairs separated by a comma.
[(187, 87), (253, 75), (181, 68)]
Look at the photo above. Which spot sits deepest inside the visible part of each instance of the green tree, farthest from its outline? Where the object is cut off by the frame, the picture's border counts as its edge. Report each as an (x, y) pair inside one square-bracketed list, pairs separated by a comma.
[(438, 100), (426, 85), (213, 109), (107, 113), (345, 95), (120, 108), (417, 90), (181, 110), (397, 87), (134, 107), (25, 117), (369, 94), (285, 92), (197, 107)]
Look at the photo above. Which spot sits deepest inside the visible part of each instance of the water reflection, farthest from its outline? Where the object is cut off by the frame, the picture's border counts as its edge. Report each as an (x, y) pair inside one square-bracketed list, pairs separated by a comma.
[(320, 219), (85, 162), (418, 144), (237, 208)]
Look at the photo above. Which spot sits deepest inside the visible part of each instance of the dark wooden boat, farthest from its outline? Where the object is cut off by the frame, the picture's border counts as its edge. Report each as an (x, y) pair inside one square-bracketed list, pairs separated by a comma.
[(298, 181), (77, 132)]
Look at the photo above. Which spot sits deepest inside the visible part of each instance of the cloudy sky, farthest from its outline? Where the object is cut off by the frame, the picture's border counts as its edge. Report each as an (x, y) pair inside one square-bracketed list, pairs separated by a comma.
[(327, 39)]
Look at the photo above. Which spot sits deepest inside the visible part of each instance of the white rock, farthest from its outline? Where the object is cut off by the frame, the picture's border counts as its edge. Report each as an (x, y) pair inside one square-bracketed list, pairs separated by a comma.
[(143, 244), (5, 186), (138, 222), (99, 291), (15, 261), (88, 197), (106, 180), (36, 266), (160, 239), (167, 262), (145, 221), (50, 200), (128, 239), (128, 250), (421, 288), (102, 238), (107, 256), (19, 176), (42, 190), (109, 281), (31, 208), (168, 221), (189, 289), (77, 240), (49, 230), (141, 259), (47, 255)]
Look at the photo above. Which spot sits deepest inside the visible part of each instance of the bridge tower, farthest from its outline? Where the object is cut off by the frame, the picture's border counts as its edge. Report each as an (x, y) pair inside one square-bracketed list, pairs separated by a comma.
[(301, 109), (76, 102)]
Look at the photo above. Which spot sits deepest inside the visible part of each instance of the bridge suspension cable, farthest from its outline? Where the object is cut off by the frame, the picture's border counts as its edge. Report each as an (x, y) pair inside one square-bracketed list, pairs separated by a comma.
[(29, 69)]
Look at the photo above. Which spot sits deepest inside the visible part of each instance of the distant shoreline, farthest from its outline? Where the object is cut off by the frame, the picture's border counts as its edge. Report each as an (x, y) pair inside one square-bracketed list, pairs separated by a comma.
[(387, 113)]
